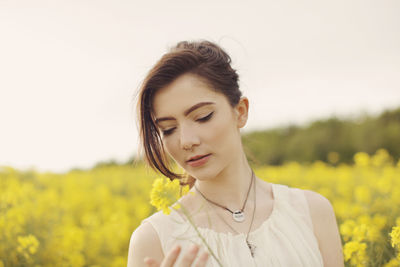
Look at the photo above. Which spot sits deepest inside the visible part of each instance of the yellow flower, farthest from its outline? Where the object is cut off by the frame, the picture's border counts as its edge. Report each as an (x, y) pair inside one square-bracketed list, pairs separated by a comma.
[(367, 228), (27, 245), (381, 158), (28, 242), (346, 229), (373, 233), (395, 236), (379, 221), (362, 194), (361, 159), (360, 232), (355, 252), (165, 192)]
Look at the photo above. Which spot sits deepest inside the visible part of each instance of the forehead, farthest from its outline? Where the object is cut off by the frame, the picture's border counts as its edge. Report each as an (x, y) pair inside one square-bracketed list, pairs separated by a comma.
[(184, 92)]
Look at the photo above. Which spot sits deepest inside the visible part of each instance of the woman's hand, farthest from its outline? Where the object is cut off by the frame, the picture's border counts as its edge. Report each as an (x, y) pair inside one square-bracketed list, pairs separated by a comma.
[(186, 261)]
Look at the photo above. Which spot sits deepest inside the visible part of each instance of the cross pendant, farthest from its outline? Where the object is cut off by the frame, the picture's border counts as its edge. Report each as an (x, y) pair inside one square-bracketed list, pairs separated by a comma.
[(251, 247)]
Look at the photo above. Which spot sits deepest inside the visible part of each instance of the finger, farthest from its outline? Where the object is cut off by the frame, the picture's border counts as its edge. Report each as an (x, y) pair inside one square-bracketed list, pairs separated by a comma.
[(189, 257), (171, 257), (201, 262), (151, 262)]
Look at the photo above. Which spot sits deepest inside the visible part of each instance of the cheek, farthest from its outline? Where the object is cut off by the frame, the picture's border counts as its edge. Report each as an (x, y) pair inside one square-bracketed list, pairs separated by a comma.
[(223, 132), (169, 147)]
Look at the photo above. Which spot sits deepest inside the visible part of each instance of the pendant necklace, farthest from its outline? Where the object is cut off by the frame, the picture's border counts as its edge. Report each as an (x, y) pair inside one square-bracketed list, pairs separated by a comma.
[(238, 215), (251, 246)]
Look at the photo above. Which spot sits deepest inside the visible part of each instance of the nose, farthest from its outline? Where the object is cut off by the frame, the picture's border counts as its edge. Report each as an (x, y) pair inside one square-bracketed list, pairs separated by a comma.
[(188, 138)]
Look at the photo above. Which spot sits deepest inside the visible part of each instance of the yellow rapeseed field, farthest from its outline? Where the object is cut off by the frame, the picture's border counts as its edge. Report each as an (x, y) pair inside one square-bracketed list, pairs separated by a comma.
[(86, 218)]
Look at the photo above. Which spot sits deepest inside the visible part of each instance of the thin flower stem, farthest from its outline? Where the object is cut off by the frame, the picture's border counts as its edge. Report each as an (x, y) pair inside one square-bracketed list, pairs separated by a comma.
[(199, 234)]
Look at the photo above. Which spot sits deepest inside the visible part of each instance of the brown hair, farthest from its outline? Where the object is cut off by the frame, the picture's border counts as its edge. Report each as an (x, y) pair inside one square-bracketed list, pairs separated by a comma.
[(204, 59)]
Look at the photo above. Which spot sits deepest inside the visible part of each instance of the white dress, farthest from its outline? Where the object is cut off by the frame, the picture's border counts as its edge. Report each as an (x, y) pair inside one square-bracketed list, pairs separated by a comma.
[(286, 238)]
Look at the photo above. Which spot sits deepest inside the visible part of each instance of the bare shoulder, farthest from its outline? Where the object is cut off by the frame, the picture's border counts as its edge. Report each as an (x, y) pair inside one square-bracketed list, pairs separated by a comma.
[(325, 228), (144, 242)]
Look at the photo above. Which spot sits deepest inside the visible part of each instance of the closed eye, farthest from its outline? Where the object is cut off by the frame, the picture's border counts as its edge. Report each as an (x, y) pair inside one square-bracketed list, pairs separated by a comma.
[(206, 118), (168, 132), (203, 119)]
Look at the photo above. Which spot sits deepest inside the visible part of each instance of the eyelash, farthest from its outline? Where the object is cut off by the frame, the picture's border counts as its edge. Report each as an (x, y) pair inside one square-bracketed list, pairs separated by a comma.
[(206, 118), (201, 120)]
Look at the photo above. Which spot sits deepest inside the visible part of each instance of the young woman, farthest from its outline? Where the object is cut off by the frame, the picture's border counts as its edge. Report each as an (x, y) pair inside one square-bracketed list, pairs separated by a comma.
[(191, 110)]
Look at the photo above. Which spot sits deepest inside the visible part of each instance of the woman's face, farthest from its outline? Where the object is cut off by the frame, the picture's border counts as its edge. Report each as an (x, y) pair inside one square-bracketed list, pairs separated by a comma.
[(199, 128)]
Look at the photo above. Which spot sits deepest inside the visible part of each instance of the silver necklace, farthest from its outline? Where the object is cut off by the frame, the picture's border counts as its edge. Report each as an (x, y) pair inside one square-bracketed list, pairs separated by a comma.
[(251, 246), (238, 215)]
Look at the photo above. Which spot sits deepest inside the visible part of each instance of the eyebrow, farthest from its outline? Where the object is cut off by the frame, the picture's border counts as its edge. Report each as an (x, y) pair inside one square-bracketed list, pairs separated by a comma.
[(187, 112)]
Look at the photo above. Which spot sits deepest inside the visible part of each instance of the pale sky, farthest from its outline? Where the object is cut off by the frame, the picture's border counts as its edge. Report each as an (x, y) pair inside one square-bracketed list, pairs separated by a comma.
[(69, 69)]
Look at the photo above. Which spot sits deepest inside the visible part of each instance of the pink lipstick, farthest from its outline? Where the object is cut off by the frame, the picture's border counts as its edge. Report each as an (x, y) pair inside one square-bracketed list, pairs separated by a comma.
[(197, 161)]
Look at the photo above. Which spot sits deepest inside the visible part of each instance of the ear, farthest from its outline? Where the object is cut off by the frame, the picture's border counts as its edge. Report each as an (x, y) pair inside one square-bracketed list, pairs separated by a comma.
[(242, 111)]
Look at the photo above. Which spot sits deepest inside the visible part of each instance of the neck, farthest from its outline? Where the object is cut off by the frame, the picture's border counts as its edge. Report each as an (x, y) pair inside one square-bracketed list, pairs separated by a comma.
[(229, 188)]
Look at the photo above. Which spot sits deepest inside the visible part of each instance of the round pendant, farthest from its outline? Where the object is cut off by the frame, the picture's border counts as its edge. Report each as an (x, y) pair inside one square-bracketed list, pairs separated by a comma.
[(238, 216)]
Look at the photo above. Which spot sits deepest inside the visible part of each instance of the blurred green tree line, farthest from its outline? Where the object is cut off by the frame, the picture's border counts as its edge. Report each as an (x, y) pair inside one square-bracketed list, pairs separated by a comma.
[(330, 140)]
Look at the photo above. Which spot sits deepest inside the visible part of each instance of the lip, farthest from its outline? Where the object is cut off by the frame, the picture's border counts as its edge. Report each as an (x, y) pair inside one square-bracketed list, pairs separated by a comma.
[(198, 160)]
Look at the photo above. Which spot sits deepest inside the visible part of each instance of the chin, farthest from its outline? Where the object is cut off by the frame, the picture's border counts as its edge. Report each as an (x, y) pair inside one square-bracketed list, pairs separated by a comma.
[(203, 174)]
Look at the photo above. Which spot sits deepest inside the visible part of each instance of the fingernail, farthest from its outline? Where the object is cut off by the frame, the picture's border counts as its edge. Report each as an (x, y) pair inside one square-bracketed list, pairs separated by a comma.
[(193, 248)]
